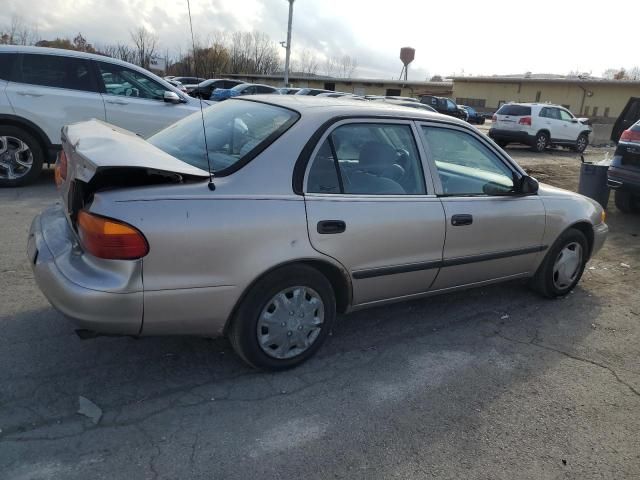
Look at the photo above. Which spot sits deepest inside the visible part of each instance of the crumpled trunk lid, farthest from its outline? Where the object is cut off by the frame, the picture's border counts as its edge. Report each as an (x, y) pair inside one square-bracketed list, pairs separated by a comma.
[(102, 156)]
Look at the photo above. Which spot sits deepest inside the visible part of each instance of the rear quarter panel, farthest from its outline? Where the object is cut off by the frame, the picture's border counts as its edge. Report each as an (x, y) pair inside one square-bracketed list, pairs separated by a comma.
[(206, 249)]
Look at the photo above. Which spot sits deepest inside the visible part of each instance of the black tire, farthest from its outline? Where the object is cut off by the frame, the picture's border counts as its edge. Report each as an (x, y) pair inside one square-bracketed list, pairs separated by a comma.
[(481, 121), (36, 152), (581, 143), (627, 202), (243, 331), (502, 144), (541, 142), (543, 281)]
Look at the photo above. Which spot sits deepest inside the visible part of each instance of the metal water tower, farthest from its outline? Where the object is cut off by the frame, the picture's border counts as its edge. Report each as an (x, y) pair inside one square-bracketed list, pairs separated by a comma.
[(407, 54)]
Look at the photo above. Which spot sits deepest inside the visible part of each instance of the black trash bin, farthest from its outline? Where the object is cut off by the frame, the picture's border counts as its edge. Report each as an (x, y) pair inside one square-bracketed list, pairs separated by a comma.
[(593, 182)]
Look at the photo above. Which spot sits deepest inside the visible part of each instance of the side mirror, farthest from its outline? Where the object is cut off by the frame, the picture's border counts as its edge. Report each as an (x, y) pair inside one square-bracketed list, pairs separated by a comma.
[(171, 97), (574, 120), (527, 185)]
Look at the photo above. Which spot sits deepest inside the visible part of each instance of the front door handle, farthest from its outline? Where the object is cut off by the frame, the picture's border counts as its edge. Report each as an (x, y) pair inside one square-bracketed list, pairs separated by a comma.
[(117, 102), (328, 227), (461, 219)]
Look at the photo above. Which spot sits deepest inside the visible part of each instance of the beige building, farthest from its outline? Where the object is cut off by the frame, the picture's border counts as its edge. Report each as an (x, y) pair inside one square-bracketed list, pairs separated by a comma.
[(359, 86), (602, 99)]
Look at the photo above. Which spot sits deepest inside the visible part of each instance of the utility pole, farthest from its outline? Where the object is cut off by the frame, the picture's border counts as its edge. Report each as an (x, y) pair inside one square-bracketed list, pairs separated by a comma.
[(288, 45)]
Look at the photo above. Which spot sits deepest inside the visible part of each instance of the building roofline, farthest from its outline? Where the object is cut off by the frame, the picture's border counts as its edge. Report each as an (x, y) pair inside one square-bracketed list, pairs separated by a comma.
[(585, 81), (324, 78)]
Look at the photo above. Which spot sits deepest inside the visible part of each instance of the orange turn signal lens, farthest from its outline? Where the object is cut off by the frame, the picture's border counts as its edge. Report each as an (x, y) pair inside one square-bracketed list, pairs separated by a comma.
[(60, 170), (111, 239)]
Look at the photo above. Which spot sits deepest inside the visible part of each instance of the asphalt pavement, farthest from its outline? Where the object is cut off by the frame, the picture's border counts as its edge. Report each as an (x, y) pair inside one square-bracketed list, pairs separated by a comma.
[(493, 383)]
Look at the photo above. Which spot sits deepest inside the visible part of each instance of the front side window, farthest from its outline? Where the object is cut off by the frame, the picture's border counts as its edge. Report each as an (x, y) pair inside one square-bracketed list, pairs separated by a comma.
[(566, 116), (465, 165), (368, 159), (235, 130), (57, 71), (122, 81), (450, 105)]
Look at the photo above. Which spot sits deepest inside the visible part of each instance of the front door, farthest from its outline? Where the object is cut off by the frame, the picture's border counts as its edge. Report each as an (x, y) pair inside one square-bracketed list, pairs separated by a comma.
[(368, 207), (491, 233), (135, 102), (570, 127)]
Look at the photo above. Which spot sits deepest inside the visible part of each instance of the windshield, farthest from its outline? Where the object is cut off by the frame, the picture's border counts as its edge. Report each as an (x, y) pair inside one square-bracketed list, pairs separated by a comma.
[(235, 130)]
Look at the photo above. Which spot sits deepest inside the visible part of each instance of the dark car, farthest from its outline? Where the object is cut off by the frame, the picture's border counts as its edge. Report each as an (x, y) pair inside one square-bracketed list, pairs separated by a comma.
[(205, 89), (624, 173), (473, 115), (312, 91), (444, 105), (188, 80), (220, 94), (630, 115)]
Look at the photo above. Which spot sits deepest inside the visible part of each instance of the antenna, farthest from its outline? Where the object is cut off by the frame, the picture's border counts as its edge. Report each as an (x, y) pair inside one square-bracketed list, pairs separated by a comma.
[(212, 187)]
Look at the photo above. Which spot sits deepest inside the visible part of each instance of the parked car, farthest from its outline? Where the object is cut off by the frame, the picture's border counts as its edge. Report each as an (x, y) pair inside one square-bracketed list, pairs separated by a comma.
[(178, 85), (317, 207), (630, 115), (42, 89), (242, 89), (312, 91), (288, 90), (445, 106), (624, 173), (473, 116), (403, 99), (205, 89), (189, 80), (403, 103), (539, 125)]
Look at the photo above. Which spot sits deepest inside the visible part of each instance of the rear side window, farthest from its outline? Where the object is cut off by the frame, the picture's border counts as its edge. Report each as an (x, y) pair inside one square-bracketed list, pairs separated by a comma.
[(514, 110), (6, 65), (57, 71)]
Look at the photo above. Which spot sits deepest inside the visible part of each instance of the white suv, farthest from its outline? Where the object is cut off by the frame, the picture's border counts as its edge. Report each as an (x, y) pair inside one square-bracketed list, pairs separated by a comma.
[(42, 89), (539, 125)]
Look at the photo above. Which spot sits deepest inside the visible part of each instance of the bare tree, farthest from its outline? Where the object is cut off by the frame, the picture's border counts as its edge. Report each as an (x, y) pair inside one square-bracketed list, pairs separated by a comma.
[(146, 44), (120, 51), (343, 67), (305, 63), (19, 33)]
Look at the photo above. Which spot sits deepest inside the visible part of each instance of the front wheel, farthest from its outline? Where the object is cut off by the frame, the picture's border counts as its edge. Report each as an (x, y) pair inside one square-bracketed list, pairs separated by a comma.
[(626, 202), (21, 157), (563, 265), (284, 319)]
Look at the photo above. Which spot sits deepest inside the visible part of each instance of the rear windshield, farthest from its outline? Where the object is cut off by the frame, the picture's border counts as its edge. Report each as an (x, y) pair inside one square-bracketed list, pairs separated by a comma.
[(236, 130), (514, 110)]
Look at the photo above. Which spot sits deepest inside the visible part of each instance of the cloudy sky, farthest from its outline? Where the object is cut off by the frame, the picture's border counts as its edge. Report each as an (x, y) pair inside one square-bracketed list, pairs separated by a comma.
[(455, 36)]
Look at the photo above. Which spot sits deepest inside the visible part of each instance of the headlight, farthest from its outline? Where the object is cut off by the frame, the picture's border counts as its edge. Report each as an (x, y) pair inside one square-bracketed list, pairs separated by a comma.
[(603, 216)]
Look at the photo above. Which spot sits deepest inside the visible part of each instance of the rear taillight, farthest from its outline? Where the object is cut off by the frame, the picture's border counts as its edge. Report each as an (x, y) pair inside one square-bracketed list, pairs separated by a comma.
[(60, 170), (494, 118), (525, 121), (107, 238), (630, 136)]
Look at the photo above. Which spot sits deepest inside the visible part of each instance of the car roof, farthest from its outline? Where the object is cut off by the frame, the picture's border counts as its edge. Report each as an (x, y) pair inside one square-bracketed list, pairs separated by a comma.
[(326, 108)]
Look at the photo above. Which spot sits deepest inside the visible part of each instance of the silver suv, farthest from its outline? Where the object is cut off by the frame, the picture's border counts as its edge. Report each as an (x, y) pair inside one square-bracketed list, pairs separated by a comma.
[(43, 89)]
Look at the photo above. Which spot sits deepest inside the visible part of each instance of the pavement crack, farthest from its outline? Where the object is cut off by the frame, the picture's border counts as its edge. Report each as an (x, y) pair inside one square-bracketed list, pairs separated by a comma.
[(534, 343)]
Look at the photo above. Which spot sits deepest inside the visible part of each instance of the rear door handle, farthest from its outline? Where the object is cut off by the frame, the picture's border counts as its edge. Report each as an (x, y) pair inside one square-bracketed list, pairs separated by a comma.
[(461, 219), (328, 227)]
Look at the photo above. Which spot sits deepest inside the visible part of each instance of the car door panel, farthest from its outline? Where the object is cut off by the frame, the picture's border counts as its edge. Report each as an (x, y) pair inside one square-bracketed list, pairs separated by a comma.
[(53, 90), (134, 102), (503, 240), (500, 235), (390, 243), (391, 246)]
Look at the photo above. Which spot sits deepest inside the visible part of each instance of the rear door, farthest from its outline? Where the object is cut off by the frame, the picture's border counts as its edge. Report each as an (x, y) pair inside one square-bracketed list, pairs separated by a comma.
[(491, 233), (369, 208), (53, 91), (136, 102)]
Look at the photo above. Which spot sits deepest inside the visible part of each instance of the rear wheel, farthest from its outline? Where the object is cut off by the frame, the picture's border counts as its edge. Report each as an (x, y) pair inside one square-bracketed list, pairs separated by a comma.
[(626, 202), (21, 157), (284, 319), (541, 142), (563, 266), (502, 143)]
